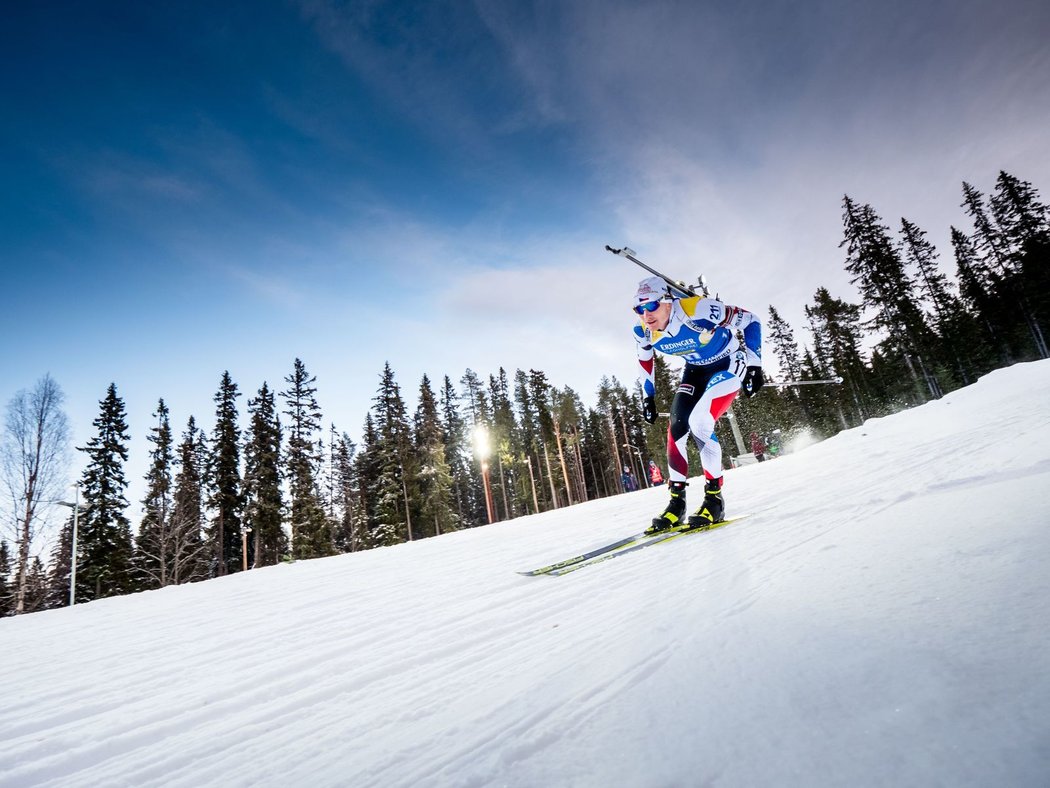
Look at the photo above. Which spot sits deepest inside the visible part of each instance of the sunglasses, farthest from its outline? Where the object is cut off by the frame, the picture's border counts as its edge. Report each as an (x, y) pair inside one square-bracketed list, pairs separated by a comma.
[(648, 306)]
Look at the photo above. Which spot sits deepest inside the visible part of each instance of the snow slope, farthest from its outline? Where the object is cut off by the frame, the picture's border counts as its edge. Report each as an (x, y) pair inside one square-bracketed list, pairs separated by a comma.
[(881, 619)]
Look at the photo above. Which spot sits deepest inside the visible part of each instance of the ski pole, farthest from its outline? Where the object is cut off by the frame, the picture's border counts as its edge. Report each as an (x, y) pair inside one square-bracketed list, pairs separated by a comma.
[(835, 380)]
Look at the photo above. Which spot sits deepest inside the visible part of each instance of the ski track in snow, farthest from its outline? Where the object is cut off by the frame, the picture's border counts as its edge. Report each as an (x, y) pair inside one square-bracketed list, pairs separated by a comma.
[(879, 619)]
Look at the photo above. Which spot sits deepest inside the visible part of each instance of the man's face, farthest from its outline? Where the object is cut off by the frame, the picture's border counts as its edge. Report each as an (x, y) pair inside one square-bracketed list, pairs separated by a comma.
[(658, 319)]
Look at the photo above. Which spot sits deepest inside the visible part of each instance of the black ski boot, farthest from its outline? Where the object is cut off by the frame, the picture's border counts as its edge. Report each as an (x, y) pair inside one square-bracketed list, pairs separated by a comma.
[(674, 512), (713, 509)]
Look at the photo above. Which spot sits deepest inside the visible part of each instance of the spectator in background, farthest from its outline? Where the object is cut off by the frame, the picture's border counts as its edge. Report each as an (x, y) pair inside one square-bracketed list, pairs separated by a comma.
[(630, 484), (655, 476), (758, 447)]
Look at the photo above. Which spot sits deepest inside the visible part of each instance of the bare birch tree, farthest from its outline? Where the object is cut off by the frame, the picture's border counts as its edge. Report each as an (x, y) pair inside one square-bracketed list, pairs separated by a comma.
[(34, 457)]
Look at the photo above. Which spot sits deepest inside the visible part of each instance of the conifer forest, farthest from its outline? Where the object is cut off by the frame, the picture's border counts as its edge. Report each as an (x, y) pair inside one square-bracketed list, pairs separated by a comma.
[(274, 481)]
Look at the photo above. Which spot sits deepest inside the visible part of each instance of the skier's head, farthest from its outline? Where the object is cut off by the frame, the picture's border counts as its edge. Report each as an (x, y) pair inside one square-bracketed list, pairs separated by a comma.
[(652, 302)]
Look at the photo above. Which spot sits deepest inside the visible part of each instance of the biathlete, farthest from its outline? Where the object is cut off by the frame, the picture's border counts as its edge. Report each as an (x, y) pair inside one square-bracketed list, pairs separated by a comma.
[(704, 332)]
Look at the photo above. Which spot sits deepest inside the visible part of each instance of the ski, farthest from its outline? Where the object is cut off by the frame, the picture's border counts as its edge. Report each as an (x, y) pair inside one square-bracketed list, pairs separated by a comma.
[(641, 537), (666, 536)]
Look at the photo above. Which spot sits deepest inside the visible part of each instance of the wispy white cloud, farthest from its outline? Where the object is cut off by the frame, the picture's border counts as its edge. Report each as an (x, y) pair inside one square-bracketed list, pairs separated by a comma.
[(726, 139)]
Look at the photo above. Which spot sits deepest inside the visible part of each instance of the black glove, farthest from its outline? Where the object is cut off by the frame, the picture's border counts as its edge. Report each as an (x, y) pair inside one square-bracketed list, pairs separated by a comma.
[(649, 409), (753, 381)]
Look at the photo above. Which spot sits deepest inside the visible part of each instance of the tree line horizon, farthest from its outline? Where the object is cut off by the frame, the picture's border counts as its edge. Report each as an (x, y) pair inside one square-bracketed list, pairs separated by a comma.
[(278, 485)]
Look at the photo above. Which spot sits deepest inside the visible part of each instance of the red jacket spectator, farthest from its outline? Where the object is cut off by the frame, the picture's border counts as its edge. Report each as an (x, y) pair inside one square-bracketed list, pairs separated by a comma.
[(654, 473)]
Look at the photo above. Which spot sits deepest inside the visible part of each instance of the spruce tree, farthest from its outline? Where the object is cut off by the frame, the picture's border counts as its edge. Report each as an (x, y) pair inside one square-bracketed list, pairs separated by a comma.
[(784, 345), (311, 531), (1023, 228), (190, 553), (595, 455), (60, 568), (835, 325), (366, 472), (613, 405), (528, 421), (539, 394), (393, 516), (351, 529), (570, 418), (262, 481), (505, 449), (36, 596), (979, 293), (104, 548), (154, 547), (453, 432), (995, 247), (435, 479), (7, 601), (477, 416), (920, 254), (226, 497), (878, 271)]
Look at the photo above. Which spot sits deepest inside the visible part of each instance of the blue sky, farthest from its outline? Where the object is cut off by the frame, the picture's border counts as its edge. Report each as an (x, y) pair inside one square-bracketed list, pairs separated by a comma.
[(193, 187)]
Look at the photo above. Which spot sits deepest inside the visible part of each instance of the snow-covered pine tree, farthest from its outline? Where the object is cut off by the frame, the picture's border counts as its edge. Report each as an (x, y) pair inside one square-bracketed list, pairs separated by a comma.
[(936, 291), (350, 530), (570, 414), (505, 440), (60, 566), (528, 422), (36, 596), (457, 452), (835, 325), (104, 546), (156, 542), (263, 501), (995, 250), (594, 448), (556, 411), (615, 406), (366, 473), (435, 479), (878, 272), (190, 553), (477, 414), (629, 430), (539, 395), (7, 602), (1023, 228), (978, 289), (311, 532), (782, 337), (225, 496), (392, 513)]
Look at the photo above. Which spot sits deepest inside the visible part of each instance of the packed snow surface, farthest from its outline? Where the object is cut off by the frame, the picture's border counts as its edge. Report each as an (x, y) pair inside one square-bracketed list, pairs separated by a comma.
[(882, 618)]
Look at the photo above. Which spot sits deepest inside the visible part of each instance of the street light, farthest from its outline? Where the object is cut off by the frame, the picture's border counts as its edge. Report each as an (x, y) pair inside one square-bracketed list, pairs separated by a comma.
[(482, 451), (244, 547), (75, 506)]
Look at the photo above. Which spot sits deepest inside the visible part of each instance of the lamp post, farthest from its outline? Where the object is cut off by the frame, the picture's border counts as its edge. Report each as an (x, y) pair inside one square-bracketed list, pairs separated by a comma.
[(244, 548), (75, 506), (482, 450)]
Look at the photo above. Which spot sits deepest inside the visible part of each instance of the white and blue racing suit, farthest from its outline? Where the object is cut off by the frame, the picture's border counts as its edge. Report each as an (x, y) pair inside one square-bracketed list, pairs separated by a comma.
[(704, 332)]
